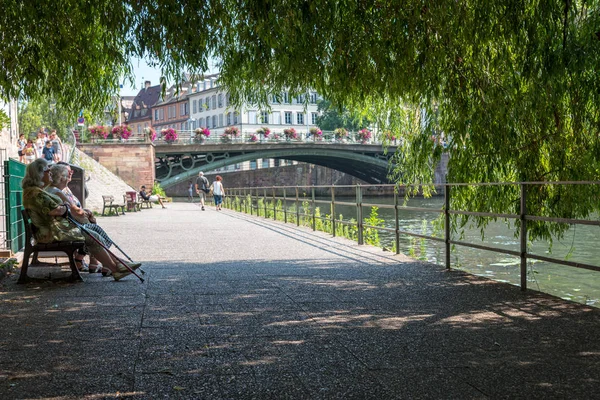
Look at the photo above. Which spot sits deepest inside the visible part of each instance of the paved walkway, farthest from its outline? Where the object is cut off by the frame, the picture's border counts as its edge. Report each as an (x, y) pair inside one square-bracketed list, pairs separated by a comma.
[(237, 307)]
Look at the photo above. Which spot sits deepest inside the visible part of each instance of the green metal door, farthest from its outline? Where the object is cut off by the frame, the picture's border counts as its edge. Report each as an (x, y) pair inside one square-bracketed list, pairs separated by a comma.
[(15, 235)]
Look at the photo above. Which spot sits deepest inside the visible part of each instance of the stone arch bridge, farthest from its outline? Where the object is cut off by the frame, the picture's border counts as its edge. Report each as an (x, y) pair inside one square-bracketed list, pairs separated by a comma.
[(176, 163)]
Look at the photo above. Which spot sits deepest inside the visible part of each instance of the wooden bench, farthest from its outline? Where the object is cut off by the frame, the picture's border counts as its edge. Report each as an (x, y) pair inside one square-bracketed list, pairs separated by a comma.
[(32, 248), (131, 202), (146, 203), (110, 205)]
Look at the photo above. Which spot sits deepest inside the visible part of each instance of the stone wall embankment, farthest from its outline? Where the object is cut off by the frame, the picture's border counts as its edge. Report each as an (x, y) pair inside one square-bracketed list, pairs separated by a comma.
[(132, 162)]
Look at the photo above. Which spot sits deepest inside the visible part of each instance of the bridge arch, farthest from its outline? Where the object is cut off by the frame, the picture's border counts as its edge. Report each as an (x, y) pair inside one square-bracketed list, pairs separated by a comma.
[(371, 166)]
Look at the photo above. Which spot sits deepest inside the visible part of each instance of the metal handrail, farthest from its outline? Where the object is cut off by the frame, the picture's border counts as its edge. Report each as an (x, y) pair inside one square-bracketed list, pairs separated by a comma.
[(523, 254)]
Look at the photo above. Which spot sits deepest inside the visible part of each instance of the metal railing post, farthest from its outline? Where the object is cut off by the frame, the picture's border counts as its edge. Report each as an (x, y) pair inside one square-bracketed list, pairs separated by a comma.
[(523, 237), (447, 224), (397, 220), (314, 222), (333, 210), (274, 206), (297, 209), (265, 201), (284, 206), (359, 218)]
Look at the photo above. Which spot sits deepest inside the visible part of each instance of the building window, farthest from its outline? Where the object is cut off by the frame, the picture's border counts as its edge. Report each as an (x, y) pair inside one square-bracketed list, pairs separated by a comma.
[(314, 118), (161, 114), (195, 106), (183, 109), (214, 102), (182, 126), (228, 118), (207, 103), (201, 122), (227, 100), (220, 100), (265, 163), (139, 129), (286, 98), (214, 121), (264, 117), (252, 117), (300, 118), (156, 115), (276, 162), (220, 119), (235, 118), (288, 118), (238, 166), (253, 164), (276, 118), (275, 99)]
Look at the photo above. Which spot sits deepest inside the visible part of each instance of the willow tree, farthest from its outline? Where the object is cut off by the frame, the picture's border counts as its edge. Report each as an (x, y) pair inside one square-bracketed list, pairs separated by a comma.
[(511, 85)]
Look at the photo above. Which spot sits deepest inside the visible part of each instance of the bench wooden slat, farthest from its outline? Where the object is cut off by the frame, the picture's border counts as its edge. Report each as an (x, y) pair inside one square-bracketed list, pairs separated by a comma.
[(67, 247), (109, 204)]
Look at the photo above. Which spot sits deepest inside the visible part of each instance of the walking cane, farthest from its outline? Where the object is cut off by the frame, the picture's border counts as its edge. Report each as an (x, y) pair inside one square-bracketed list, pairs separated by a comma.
[(84, 230)]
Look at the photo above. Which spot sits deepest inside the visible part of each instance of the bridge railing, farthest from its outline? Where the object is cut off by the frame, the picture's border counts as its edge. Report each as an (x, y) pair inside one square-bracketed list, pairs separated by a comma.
[(189, 137), (299, 204)]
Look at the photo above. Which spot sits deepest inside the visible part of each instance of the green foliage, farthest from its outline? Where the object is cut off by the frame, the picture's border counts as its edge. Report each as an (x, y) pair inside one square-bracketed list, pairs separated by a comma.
[(511, 87), (43, 113), (73, 50), (157, 189), (4, 120), (332, 117), (371, 235)]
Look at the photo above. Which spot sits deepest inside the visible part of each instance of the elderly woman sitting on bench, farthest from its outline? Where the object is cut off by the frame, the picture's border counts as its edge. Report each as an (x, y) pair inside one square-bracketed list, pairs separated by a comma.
[(49, 214), (61, 174)]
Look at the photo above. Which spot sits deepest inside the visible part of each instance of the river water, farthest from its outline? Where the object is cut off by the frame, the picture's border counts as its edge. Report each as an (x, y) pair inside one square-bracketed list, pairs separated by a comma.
[(580, 244)]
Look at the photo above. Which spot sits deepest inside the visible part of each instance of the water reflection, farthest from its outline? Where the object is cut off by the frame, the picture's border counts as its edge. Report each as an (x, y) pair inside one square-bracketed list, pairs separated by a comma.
[(580, 244)]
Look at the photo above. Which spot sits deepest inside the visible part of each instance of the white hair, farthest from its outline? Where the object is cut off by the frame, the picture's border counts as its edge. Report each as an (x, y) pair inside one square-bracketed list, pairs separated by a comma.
[(200, 173)]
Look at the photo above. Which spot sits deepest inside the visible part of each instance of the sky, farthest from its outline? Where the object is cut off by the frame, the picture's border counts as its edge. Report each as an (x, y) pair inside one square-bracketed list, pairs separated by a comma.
[(143, 72)]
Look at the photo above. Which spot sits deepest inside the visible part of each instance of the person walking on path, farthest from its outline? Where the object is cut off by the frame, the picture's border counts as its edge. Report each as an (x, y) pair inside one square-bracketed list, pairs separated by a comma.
[(56, 145), (20, 146), (191, 192), (218, 192), (202, 188), (48, 152), (29, 152), (40, 143)]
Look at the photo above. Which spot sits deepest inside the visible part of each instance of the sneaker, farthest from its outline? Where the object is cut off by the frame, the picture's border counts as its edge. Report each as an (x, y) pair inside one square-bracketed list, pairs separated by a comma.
[(202, 208), (122, 272)]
